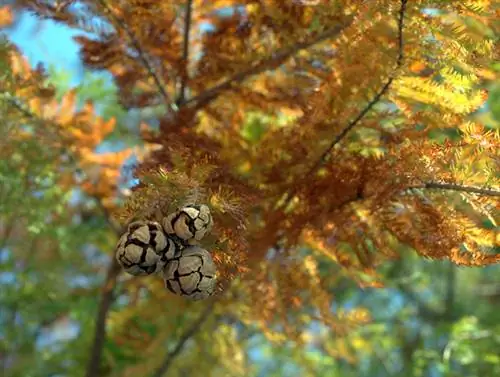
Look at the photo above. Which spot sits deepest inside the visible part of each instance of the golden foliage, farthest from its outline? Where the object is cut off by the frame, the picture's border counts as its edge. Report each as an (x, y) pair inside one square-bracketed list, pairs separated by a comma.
[(6, 16), (377, 149), (364, 199)]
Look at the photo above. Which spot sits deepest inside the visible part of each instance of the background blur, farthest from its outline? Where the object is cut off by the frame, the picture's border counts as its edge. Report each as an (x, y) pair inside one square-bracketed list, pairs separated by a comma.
[(432, 319)]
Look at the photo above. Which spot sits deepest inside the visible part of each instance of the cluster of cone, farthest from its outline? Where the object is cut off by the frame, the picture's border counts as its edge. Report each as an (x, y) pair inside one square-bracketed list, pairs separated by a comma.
[(170, 249)]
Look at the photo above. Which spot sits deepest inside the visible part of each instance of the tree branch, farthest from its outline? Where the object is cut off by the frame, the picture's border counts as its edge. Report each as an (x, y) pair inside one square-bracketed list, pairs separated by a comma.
[(398, 271), (117, 228), (107, 299), (185, 52), (426, 311), (449, 301), (456, 187), (140, 52), (272, 62), (188, 334), (8, 228)]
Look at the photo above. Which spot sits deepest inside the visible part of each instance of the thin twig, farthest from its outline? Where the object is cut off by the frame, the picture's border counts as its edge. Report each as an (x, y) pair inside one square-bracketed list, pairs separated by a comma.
[(324, 156), (140, 52), (457, 187), (272, 62), (22, 109), (188, 334), (185, 52), (399, 62)]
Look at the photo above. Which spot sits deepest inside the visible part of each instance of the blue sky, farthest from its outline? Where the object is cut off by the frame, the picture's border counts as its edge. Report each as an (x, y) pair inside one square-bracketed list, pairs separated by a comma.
[(52, 43), (49, 43)]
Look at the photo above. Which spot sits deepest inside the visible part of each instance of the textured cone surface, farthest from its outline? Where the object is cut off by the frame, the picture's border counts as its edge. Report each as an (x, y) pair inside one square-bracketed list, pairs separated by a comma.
[(181, 227), (140, 248), (172, 251), (189, 223), (191, 275)]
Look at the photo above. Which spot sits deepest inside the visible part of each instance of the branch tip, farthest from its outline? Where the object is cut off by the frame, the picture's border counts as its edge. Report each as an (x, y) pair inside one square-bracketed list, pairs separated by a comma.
[(185, 53)]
